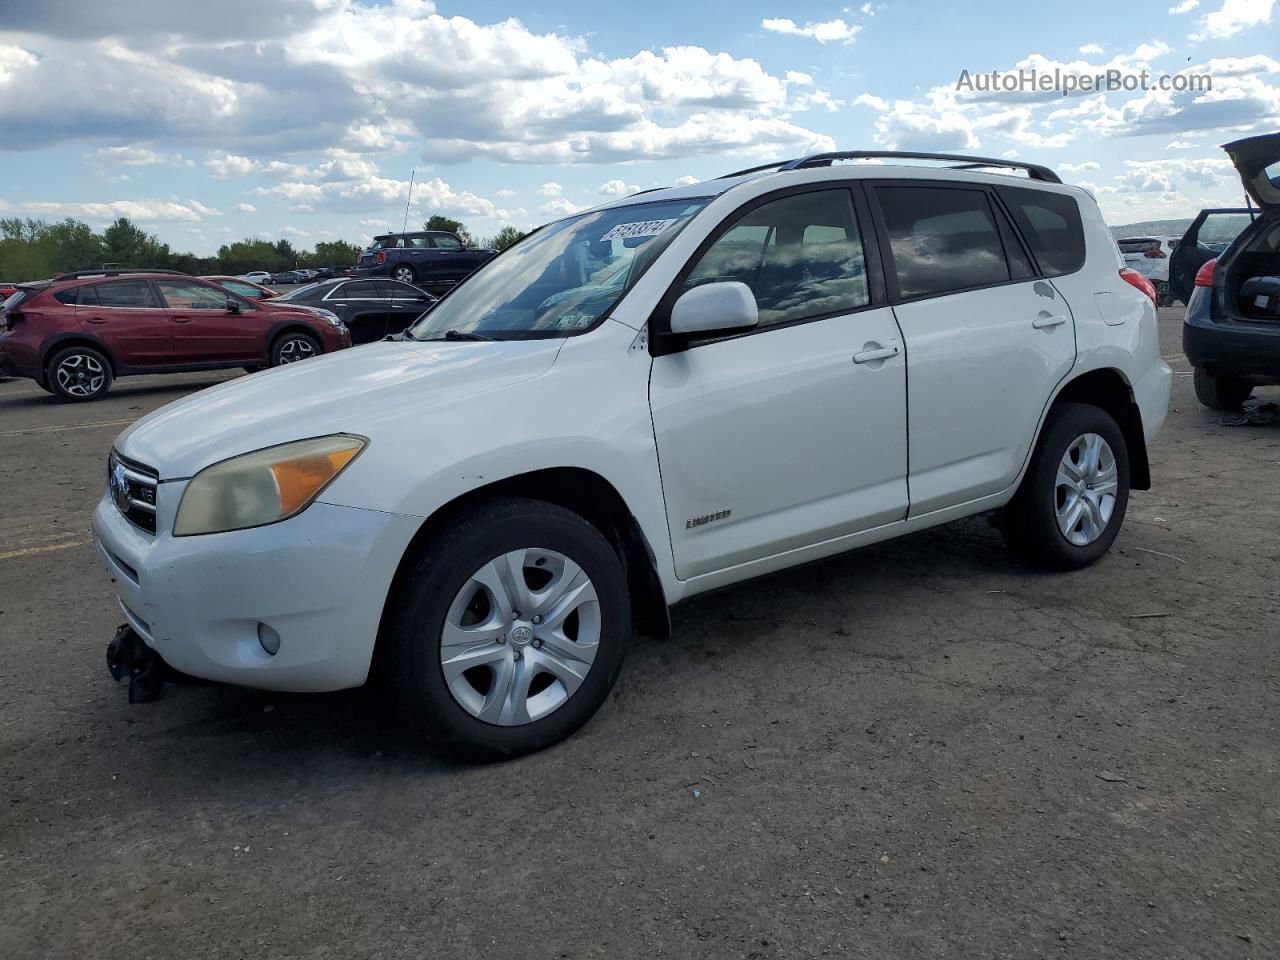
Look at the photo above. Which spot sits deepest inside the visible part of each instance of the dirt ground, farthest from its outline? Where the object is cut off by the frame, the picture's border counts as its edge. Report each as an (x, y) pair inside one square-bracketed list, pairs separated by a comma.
[(916, 750)]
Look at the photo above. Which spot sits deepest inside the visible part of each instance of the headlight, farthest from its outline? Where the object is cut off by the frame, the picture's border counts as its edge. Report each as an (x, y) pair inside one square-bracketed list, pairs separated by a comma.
[(329, 317), (263, 487)]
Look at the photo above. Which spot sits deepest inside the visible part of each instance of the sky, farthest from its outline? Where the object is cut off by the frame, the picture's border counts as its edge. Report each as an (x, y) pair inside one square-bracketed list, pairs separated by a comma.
[(214, 121)]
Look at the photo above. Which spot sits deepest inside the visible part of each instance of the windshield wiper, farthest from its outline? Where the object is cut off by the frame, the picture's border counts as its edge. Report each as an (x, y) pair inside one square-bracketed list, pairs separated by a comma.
[(459, 335)]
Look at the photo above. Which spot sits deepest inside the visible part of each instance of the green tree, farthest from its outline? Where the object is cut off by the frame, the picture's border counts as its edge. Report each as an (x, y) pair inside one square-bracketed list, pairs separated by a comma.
[(334, 253), (128, 245), (72, 245), (505, 238), (456, 227)]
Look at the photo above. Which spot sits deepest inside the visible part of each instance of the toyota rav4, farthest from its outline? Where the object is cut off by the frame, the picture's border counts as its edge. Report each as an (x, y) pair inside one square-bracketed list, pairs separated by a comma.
[(657, 397)]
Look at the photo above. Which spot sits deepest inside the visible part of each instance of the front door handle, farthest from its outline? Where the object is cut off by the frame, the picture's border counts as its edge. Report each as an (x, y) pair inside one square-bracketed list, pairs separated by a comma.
[(1046, 321), (181, 319), (96, 319), (874, 352)]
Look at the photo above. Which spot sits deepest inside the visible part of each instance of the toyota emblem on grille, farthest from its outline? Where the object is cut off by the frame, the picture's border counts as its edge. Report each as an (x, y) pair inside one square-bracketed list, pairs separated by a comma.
[(119, 486)]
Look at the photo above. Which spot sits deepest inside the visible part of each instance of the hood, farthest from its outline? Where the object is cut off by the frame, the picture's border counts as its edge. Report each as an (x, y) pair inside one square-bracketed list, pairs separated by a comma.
[(366, 390), (1258, 161)]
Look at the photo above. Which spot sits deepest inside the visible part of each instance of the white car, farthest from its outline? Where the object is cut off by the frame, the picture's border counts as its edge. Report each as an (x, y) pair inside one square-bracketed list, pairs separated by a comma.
[(671, 393), (1150, 257), (257, 276)]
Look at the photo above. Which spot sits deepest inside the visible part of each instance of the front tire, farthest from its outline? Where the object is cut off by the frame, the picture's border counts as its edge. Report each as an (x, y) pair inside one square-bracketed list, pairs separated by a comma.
[(509, 631), (1221, 391), (1072, 501), (78, 375), (294, 346)]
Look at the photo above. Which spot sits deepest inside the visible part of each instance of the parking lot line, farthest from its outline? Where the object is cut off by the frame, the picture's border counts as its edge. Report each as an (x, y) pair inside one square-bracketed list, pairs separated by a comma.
[(31, 551), (67, 426)]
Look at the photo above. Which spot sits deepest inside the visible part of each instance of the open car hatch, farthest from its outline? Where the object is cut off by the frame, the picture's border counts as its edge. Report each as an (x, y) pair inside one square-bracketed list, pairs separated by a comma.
[(1258, 160)]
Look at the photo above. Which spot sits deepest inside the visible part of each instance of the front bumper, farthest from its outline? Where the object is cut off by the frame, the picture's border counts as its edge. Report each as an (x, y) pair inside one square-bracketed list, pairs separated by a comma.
[(318, 581)]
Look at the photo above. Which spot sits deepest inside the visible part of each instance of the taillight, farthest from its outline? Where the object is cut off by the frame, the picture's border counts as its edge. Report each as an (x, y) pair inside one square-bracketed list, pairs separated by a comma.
[(1155, 253), (380, 256), (1135, 279), (1204, 276)]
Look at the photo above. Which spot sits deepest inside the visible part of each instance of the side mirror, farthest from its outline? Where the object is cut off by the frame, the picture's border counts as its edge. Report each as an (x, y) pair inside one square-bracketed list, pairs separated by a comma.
[(233, 305), (713, 308)]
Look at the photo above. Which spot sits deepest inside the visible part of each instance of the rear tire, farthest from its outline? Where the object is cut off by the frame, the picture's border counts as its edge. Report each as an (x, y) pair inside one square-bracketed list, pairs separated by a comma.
[(404, 273), (1221, 392), (1072, 501), (469, 669), (294, 346), (78, 375)]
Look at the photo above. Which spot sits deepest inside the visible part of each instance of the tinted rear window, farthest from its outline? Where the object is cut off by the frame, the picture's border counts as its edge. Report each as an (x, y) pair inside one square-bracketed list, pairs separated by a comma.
[(1051, 224), (67, 296), (941, 239), (124, 293)]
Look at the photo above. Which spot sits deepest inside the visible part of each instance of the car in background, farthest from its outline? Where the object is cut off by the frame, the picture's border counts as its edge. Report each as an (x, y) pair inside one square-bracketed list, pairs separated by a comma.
[(256, 276), (1149, 256), (1231, 333), (246, 288), (1210, 233), (371, 308), (7, 290), (291, 276), (76, 334), (432, 259)]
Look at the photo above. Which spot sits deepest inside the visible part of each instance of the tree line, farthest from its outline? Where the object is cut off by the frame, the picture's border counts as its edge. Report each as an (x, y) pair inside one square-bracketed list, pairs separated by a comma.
[(37, 249)]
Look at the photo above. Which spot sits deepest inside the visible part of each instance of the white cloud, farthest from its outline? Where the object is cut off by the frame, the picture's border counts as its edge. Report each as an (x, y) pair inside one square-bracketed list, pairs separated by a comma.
[(815, 99), (550, 189), (134, 157), (1085, 167), (559, 207), (1232, 17), (799, 79), (143, 211), (246, 208), (226, 165), (686, 181), (826, 32), (1091, 49), (618, 188), (1184, 6), (294, 231)]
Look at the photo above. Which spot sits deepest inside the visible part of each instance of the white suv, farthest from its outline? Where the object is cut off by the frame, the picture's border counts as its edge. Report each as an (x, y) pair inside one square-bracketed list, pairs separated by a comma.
[(677, 391)]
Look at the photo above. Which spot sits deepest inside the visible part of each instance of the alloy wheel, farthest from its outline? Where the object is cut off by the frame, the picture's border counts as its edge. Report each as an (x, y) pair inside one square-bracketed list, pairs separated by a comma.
[(520, 636), (403, 274), (1085, 489), (295, 349), (80, 375)]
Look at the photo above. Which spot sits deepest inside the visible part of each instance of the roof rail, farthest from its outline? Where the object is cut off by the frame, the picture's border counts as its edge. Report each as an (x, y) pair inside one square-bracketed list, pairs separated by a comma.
[(1034, 170), (116, 272), (764, 166)]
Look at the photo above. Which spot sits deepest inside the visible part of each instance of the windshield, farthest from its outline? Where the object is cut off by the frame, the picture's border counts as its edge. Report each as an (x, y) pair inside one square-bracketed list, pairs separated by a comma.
[(562, 279)]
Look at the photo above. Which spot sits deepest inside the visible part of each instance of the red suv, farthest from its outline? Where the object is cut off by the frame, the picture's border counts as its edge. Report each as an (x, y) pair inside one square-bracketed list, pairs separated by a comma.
[(76, 334)]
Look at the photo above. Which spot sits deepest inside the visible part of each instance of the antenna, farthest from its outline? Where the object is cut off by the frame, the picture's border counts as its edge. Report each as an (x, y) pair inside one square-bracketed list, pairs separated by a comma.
[(404, 228)]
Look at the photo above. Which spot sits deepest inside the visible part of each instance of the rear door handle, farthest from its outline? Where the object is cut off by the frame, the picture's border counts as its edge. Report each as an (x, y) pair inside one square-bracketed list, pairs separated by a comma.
[(1047, 320), (875, 353), (96, 319), (181, 319)]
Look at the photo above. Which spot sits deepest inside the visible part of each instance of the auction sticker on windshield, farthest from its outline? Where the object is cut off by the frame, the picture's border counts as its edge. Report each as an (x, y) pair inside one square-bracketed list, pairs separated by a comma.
[(641, 228)]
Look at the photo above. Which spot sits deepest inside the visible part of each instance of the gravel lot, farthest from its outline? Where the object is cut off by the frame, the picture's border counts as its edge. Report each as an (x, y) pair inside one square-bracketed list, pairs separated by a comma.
[(916, 750)]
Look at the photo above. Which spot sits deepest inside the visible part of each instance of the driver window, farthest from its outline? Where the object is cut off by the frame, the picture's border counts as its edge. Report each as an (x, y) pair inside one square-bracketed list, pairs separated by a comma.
[(800, 255), (191, 296)]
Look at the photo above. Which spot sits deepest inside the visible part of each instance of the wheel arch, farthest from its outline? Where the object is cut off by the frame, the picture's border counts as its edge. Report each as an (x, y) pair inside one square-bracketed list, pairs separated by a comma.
[(63, 340), (580, 490), (282, 327), (1109, 389)]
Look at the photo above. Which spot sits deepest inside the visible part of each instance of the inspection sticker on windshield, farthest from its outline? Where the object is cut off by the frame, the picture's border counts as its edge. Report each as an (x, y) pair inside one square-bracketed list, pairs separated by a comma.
[(641, 228)]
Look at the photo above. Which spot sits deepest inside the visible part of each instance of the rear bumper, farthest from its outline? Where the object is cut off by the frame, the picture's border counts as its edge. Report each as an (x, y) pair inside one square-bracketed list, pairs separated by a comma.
[(317, 581), (1242, 348), (18, 359)]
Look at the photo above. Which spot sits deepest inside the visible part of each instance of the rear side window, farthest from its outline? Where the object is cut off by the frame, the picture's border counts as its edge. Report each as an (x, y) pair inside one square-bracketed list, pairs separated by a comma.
[(122, 293), (358, 289), (1051, 224), (801, 256), (445, 242), (67, 296), (941, 239)]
